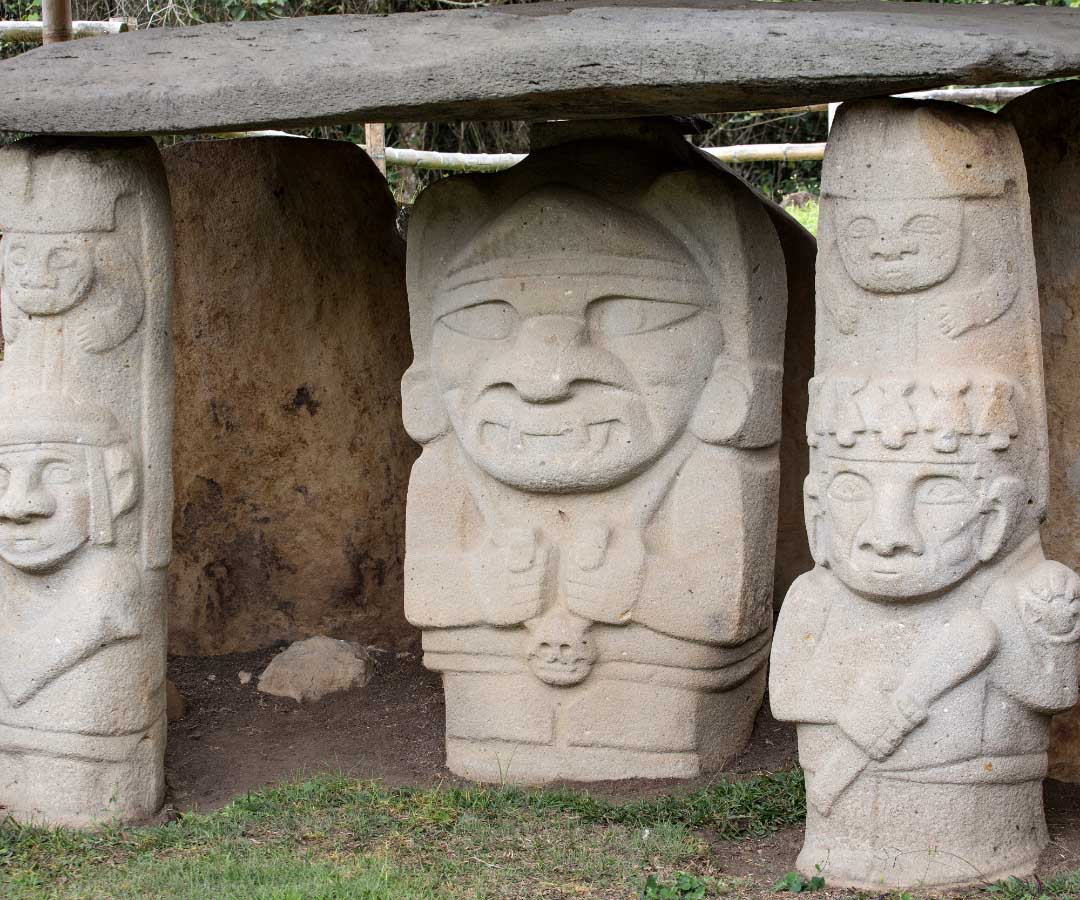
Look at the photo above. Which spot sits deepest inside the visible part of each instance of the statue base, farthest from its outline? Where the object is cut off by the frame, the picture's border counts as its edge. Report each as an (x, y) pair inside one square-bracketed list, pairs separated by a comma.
[(624, 719)]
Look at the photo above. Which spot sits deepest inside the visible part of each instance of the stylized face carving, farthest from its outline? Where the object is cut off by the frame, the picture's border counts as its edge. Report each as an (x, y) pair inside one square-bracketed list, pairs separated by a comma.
[(562, 651), (44, 505), (571, 382), (898, 246), (47, 274), (902, 529)]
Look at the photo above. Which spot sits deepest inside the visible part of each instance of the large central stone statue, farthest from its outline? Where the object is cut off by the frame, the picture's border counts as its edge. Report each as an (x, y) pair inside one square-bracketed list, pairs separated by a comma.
[(922, 657), (598, 336)]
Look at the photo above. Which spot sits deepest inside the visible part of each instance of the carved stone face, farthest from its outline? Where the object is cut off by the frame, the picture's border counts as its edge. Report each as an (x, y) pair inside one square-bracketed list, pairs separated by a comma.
[(44, 505), (571, 381), (902, 530), (562, 651), (893, 247), (47, 274)]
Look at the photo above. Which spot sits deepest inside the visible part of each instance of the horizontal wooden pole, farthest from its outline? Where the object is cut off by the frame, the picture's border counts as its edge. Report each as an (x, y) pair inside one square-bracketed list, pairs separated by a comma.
[(32, 32)]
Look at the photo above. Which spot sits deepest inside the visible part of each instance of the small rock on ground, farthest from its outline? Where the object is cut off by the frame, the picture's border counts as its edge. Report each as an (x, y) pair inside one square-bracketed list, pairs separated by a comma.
[(314, 668)]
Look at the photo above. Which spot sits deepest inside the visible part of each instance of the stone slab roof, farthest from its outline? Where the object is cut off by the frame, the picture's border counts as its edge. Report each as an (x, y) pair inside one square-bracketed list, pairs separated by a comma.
[(550, 60)]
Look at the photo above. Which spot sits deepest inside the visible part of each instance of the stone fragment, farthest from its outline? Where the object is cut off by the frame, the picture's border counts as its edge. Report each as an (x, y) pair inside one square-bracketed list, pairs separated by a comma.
[(86, 398), (526, 61), (175, 704), (1049, 133), (922, 656), (314, 668), (244, 677), (597, 382), (291, 337)]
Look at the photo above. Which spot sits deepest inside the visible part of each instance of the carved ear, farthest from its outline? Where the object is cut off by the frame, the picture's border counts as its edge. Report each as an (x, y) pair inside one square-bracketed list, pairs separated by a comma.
[(422, 408), (813, 512), (739, 405), (123, 480), (1004, 498)]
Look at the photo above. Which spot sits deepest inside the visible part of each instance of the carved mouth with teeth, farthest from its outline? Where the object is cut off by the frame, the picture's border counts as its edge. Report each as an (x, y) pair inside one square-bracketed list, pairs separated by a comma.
[(568, 439)]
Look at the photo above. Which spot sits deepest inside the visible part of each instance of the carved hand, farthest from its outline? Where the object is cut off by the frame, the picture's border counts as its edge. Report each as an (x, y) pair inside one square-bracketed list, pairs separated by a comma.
[(879, 729), (953, 320), (1050, 602), (511, 577), (604, 572)]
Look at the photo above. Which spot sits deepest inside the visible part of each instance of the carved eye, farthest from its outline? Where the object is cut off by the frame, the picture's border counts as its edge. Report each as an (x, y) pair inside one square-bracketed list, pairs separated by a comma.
[(57, 473), (924, 224), (17, 255), (942, 489), (491, 321), (862, 228), (62, 258), (616, 316), (847, 487)]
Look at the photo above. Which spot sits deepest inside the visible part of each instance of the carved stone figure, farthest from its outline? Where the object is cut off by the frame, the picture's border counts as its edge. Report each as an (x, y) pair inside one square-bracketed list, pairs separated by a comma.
[(85, 489), (922, 656), (1049, 133), (598, 336)]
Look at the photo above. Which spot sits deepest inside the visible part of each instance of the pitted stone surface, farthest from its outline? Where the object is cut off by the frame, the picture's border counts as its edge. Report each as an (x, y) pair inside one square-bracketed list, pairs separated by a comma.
[(292, 335), (85, 488), (922, 657), (1050, 136), (533, 61), (315, 668), (598, 336)]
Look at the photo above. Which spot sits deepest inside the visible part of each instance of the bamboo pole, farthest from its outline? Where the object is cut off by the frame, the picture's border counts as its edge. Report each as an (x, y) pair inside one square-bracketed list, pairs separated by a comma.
[(56, 21), (375, 144), (33, 32)]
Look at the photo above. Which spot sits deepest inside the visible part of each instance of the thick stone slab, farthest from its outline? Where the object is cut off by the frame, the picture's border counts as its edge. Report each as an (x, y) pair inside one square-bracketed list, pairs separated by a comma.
[(537, 61)]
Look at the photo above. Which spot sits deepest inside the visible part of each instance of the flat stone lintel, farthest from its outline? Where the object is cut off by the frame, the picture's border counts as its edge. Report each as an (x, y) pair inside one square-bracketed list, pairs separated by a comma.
[(549, 60)]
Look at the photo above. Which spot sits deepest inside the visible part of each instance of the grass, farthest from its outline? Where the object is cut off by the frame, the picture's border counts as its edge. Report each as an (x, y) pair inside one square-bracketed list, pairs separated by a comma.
[(806, 215), (333, 837)]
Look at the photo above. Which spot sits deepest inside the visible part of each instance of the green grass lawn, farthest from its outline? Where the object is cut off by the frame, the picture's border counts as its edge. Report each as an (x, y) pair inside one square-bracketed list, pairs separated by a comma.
[(334, 837)]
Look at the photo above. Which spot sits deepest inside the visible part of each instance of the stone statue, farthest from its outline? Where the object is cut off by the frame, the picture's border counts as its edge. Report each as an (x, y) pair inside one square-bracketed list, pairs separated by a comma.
[(923, 655), (590, 528), (85, 488)]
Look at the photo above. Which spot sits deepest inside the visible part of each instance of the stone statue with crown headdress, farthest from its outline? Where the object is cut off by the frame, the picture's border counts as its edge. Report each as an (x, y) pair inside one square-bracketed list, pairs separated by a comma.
[(922, 656), (85, 485), (598, 336)]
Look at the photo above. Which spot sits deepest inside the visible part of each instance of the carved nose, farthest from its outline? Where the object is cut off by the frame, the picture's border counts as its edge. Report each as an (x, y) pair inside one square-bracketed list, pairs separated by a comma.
[(546, 358), (890, 530), (22, 502)]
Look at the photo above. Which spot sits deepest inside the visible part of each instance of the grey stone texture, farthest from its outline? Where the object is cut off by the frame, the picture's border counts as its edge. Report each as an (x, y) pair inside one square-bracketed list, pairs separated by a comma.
[(923, 655), (86, 393), (315, 668), (1046, 123), (534, 61), (292, 333), (597, 384)]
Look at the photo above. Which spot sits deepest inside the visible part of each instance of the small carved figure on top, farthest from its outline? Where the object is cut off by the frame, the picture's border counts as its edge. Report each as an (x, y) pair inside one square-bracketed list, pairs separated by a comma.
[(65, 264), (598, 337), (922, 656), (919, 212)]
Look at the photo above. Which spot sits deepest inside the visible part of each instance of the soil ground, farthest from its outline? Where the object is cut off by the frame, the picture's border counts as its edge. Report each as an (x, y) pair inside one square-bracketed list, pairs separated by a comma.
[(233, 740)]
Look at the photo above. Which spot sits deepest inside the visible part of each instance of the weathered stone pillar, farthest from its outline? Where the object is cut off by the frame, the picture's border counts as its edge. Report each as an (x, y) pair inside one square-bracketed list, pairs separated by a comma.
[(292, 333), (923, 655), (1049, 133), (86, 399), (598, 336)]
